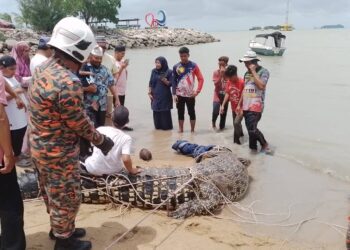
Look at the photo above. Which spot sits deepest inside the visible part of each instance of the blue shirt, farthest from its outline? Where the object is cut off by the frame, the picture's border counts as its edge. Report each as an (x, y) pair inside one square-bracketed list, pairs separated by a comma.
[(103, 79)]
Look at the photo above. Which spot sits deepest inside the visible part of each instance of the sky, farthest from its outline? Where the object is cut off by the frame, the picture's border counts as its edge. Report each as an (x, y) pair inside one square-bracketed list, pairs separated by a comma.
[(226, 15)]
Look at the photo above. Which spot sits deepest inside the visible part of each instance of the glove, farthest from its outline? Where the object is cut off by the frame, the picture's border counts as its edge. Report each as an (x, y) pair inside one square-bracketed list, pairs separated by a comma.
[(106, 145)]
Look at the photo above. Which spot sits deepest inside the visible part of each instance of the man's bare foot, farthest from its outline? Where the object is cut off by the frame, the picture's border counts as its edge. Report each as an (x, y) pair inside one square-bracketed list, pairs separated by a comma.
[(180, 131)]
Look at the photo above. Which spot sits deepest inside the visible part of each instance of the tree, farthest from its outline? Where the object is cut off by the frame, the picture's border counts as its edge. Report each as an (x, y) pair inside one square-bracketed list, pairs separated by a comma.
[(5, 16), (19, 20), (96, 10), (42, 14)]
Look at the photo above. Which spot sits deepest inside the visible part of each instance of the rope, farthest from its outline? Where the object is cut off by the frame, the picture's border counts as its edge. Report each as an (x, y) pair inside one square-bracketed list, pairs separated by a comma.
[(149, 214)]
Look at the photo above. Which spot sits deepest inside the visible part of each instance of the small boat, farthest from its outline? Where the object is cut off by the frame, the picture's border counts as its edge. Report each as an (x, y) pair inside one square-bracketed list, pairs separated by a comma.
[(268, 44)]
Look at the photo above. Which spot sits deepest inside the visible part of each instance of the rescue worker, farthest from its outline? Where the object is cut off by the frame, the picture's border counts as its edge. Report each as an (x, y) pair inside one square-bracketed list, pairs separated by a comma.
[(57, 121)]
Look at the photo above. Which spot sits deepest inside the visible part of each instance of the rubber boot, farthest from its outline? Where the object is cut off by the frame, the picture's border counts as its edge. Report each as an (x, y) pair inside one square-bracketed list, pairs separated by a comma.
[(72, 243), (78, 233)]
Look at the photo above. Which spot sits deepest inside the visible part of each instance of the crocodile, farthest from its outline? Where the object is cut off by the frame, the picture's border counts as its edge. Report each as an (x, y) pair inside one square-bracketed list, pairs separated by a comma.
[(184, 192)]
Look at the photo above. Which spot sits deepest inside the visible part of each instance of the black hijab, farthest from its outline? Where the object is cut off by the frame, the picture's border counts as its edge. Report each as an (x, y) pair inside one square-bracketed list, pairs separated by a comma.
[(164, 64)]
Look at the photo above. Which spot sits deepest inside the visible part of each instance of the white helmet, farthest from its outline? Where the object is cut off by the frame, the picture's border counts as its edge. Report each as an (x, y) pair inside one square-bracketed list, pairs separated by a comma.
[(74, 37)]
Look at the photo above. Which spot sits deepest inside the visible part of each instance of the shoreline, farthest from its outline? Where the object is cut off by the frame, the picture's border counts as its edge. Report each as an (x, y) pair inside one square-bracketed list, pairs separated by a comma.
[(131, 38)]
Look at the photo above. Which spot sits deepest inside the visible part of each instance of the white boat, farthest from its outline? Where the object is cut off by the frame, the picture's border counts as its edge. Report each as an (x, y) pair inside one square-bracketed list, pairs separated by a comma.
[(268, 44)]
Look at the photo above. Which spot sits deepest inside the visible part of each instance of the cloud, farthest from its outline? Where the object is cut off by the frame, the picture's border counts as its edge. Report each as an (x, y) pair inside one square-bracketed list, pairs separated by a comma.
[(232, 14), (237, 14)]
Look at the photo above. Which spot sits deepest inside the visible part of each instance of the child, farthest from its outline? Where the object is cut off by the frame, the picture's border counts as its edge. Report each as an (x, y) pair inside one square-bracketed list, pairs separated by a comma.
[(17, 117), (234, 89)]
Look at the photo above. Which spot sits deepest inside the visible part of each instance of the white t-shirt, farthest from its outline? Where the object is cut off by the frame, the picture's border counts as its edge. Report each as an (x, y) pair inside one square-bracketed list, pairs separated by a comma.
[(36, 60), (121, 82), (17, 117), (100, 164)]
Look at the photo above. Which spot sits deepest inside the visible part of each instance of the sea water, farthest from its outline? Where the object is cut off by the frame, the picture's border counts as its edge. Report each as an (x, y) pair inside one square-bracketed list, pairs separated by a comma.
[(307, 98)]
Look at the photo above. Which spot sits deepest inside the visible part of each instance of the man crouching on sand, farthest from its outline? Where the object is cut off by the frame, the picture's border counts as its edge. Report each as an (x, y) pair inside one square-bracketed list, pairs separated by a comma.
[(119, 155)]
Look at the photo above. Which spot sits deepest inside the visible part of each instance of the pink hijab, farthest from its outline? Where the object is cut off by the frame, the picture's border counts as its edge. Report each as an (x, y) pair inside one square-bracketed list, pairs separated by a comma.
[(22, 60)]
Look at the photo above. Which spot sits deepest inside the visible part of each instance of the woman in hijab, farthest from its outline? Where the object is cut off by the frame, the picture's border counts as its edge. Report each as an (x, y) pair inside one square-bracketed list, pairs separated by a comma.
[(21, 54), (160, 94)]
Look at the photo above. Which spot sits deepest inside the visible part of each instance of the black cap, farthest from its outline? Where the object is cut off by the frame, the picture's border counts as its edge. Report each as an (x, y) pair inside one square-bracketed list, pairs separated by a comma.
[(120, 116), (7, 61), (119, 48)]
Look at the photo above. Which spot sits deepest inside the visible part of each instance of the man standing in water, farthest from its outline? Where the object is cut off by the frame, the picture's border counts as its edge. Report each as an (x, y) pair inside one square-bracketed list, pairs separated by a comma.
[(184, 74), (121, 76), (255, 80), (234, 89), (219, 93), (57, 120)]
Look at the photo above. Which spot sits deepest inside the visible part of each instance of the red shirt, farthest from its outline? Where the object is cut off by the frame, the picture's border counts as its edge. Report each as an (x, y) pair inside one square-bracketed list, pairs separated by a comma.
[(219, 85), (235, 90)]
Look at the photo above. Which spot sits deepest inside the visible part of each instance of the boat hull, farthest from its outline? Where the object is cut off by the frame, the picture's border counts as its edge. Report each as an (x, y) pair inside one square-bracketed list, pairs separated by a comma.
[(267, 51)]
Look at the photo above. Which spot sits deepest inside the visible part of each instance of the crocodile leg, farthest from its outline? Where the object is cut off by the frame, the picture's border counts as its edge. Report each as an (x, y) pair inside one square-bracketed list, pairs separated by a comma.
[(208, 198)]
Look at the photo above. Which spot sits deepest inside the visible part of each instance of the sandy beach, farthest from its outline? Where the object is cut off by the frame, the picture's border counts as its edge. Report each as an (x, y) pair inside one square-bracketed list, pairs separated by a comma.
[(280, 204)]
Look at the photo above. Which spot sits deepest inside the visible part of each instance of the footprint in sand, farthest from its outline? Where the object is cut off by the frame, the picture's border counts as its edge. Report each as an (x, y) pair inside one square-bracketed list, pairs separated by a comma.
[(198, 228)]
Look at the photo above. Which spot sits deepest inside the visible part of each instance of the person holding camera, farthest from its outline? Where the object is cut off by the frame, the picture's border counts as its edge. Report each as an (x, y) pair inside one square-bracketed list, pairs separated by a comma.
[(160, 94), (219, 93), (253, 100), (122, 75)]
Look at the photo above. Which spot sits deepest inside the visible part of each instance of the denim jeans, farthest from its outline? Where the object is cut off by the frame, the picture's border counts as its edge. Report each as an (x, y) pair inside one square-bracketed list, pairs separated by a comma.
[(251, 121)]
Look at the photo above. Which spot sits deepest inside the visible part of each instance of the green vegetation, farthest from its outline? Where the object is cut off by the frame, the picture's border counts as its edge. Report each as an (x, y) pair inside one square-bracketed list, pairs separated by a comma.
[(331, 26), (96, 11), (5, 16), (44, 14)]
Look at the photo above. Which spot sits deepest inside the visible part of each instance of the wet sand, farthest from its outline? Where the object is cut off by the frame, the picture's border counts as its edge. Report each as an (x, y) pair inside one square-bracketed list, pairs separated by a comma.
[(277, 185), (303, 119)]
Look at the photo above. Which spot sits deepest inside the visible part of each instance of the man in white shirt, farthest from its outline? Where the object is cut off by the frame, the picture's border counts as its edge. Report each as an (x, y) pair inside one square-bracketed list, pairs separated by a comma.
[(122, 75), (42, 54), (119, 156)]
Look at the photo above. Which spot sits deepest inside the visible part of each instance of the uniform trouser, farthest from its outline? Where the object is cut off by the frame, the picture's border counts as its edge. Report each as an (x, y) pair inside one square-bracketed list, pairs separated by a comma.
[(11, 213), (216, 112), (237, 127), (251, 121), (190, 103), (60, 187)]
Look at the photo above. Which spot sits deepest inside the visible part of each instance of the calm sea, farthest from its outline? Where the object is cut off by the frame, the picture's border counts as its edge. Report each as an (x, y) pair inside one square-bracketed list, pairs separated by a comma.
[(307, 110)]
